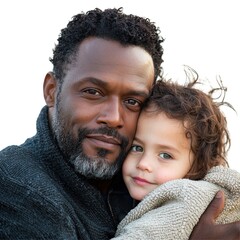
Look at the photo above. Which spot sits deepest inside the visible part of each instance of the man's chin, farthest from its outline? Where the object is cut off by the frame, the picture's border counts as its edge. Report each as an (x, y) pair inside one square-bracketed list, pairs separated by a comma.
[(93, 168), (101, 154)]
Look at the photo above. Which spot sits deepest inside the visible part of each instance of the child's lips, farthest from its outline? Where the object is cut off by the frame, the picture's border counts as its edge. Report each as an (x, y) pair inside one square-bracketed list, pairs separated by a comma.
[(141, 181)]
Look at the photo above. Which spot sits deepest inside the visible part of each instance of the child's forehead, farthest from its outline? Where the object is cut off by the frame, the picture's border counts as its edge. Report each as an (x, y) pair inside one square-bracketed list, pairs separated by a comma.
[(156, 114)]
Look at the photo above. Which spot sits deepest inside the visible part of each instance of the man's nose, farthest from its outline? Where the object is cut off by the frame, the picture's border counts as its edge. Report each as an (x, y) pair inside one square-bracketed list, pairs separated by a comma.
[(111, 113)]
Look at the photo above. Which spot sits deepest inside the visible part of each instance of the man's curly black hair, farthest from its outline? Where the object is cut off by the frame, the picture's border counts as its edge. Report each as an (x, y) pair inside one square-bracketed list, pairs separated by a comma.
[(110, 24)]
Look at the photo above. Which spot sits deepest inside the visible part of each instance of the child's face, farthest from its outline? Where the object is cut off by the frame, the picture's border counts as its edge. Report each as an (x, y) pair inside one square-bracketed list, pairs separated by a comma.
[(160, 152)]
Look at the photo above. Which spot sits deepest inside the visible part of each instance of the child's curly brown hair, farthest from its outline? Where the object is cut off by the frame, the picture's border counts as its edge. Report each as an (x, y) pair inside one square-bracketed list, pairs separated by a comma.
[(205, 124)]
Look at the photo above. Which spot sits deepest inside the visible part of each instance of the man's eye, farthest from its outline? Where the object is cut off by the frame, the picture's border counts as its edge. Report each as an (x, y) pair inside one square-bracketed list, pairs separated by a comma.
[(136, 148), (133, 102), (92, 91), (165, 156)]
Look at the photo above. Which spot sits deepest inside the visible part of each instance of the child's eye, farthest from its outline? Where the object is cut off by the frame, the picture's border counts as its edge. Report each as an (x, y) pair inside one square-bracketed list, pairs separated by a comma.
[(136, 148), (165, 156)]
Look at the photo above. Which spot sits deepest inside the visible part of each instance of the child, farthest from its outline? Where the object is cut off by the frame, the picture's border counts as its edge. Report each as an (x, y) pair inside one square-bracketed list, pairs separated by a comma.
[(181, 136)]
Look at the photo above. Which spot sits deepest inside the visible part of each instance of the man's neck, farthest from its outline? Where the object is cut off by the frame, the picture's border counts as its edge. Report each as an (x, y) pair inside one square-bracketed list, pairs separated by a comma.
[(101, 185)]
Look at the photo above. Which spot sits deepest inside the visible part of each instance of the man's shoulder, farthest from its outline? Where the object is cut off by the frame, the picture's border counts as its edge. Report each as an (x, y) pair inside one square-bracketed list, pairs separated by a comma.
[(16, 160), (21, 168), (31, 203)]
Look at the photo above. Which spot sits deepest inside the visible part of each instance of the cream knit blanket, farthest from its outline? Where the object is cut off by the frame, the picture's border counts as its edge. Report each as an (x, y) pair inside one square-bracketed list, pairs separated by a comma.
[(174, 208)]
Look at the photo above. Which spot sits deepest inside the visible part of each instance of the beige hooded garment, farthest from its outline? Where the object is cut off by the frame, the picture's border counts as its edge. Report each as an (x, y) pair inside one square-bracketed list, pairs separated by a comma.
[(174, 208)]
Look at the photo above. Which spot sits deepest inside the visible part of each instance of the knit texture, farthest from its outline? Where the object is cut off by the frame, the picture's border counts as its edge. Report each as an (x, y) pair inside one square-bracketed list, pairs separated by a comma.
[(42, 197), (174, 208)]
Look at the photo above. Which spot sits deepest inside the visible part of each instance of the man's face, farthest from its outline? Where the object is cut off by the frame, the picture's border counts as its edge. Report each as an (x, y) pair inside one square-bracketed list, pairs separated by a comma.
[(94, 115)]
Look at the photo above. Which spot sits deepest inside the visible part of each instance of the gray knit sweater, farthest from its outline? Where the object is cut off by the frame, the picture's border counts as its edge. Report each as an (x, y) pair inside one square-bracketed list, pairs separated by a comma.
[(173, 209), (42, 197)]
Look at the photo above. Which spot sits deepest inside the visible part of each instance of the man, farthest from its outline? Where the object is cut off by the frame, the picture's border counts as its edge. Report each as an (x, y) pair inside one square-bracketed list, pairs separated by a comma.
[(64, 183)]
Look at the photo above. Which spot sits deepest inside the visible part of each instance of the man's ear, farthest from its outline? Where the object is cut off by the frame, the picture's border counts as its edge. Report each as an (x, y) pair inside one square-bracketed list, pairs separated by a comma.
[(49, 89)]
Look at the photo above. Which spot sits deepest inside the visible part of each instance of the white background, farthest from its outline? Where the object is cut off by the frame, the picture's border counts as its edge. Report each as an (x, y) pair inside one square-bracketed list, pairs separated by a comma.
[(204, 34)]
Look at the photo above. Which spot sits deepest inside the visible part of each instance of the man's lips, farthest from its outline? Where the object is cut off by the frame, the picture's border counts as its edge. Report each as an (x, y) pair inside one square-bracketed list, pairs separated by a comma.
[(103, 141), (104, 138)]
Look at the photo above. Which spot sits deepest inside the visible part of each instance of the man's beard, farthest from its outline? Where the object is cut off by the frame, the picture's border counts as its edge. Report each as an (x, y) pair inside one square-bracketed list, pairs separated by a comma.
[(96, 167)]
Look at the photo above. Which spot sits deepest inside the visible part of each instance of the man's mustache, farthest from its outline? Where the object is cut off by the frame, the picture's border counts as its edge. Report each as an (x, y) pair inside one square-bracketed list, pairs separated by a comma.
[(104, 131)]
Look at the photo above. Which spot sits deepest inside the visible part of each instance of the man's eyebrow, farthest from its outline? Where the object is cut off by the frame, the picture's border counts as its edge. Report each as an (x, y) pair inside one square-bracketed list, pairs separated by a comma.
[(95, 81), (139, 93)]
